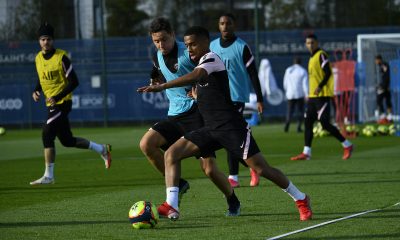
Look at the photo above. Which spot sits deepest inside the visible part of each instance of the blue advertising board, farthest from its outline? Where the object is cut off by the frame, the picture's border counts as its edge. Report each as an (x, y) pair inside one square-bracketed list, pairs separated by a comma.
[(127, 67)]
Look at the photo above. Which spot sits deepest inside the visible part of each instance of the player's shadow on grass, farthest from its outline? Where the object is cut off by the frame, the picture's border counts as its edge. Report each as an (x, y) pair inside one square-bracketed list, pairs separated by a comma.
[(62, 223)]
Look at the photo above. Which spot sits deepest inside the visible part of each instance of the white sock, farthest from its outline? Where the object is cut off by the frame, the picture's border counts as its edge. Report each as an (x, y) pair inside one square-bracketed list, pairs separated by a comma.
[(172, 196), (49, 170), (307, 150), (346, 143), (96, 147), (234, 177), (294, 192)]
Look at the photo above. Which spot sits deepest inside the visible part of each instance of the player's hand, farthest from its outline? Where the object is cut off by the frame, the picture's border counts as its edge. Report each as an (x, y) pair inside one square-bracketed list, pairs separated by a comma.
[(260, 107), (51, 101), (193, 93), (151, 88), (155, 81), (317, 91), (379, 90), (36, 96)]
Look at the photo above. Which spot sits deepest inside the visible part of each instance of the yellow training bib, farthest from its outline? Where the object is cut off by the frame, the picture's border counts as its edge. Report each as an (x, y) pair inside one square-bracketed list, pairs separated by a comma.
[(316, 75), (51, 75)]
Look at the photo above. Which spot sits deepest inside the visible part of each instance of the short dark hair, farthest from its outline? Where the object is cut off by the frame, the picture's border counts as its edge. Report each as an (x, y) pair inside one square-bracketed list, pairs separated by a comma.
[(198, 31), (45, 29), (160, 24), (378, 57), (229, 15), (297, 60), (312, 36)]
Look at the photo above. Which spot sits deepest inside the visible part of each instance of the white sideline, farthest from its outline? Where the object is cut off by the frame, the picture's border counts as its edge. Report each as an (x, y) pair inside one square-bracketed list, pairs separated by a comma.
[(329, 222)]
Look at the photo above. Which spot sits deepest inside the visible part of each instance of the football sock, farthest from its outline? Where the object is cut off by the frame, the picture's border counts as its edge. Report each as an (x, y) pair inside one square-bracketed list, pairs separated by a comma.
[(234, 177), (294, 192), (173, 197), (48, 172), (307, 150), (232, 199), (346, 143), (96, 147)]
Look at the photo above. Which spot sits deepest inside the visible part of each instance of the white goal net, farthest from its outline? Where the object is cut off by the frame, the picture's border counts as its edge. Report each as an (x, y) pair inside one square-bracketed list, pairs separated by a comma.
[(368, 46)]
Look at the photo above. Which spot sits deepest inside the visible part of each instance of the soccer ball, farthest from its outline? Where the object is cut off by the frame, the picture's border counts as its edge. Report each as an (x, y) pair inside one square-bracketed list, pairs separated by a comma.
[(2, 131), (368, 131), (383, 130), (143, 215)]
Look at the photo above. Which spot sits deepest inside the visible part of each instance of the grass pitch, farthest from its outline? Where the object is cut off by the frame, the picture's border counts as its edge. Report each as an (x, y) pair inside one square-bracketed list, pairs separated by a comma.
[(89, 202)]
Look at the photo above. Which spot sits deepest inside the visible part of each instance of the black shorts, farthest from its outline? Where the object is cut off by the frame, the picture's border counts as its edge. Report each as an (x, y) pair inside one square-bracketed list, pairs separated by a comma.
[(57, 125), (318, 109), (238, 141), (175, 127)]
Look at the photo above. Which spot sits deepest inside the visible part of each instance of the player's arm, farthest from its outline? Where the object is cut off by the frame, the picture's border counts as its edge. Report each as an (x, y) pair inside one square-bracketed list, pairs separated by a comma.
[(36, 91), (188, 79), (324, 63), (250, 64), (72, 81), (155, 76), (385, 77)]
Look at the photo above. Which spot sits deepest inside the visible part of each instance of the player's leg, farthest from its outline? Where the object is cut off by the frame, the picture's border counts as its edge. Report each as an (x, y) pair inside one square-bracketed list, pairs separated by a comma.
[(259, 164), (379, 102), (233, 166), (233, 163), (150, 144), (209, 167), (181, 149), (309, 119), (389, 106), (324, 118), (229, 139), (158, 139), (289, 112), (67, 139), (48, 137), (300, 112)]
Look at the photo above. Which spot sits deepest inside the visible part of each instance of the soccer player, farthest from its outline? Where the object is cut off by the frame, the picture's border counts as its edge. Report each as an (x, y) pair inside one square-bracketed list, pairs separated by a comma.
[(383, 91), (295, 83), (320, 79), (57, 80), (241, 67), (224, 126), (171, 61)]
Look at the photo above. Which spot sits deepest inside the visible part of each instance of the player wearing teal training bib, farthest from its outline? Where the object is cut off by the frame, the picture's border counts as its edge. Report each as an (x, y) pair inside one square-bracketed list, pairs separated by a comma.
[(241, 67)]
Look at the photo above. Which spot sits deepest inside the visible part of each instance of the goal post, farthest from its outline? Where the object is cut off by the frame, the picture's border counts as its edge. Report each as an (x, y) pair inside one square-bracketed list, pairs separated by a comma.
[(368, 46)]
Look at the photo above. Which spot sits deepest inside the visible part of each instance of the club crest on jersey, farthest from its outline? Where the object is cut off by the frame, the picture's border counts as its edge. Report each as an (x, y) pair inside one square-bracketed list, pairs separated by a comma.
[(176, 66)]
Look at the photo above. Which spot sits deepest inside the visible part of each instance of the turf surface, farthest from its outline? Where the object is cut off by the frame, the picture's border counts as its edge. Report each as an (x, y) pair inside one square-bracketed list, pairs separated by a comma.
[(89, 202)]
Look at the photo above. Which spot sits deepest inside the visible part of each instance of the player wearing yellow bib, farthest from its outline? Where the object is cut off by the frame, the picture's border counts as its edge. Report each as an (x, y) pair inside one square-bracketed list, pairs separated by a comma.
[(320, 94), (57, 80)]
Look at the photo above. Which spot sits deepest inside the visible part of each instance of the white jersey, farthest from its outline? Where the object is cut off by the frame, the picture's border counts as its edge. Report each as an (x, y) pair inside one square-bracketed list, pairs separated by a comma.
[(295, 82)]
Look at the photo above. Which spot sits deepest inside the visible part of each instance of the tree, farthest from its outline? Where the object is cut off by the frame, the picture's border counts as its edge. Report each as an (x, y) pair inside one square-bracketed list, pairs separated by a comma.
[(124, 19)]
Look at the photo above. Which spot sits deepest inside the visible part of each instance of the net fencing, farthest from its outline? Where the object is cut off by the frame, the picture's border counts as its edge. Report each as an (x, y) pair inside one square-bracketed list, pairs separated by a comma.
[(368, 46)]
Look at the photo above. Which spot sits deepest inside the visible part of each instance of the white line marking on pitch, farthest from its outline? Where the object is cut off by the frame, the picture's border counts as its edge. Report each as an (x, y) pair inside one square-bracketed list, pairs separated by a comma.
[(329, 222)]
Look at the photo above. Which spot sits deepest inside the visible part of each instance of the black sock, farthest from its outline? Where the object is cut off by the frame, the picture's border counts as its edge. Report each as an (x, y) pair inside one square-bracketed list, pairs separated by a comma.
[(233, 201)]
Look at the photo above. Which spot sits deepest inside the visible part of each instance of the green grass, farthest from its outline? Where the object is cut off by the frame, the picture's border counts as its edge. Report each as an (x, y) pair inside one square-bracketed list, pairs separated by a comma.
[(89, 202)]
